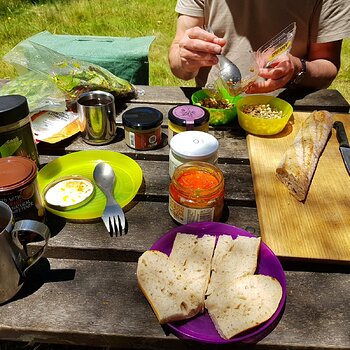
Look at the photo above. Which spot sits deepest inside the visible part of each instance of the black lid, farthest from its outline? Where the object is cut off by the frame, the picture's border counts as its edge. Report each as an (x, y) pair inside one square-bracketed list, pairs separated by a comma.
[(142, 118), (12, 109), (188, 115)]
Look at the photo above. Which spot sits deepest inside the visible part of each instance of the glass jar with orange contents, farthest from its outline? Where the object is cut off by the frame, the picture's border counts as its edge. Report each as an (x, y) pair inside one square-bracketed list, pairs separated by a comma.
[(196, 193)]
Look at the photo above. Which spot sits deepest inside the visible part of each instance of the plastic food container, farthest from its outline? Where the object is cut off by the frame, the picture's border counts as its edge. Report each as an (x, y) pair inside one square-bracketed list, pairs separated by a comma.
[(142, 126), (196, 193), (19, 188), (192, 146), (68, 192), (187, 117), (218, 116), (263, 126)]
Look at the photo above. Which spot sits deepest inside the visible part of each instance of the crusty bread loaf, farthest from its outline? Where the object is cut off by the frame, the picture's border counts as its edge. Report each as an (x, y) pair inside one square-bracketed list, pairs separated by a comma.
[(299, 162), (193, 255), (243, 304), (233, 258), (168, 291)]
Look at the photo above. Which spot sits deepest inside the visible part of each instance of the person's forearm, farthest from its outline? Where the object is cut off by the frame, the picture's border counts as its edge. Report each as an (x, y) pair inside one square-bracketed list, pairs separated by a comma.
[(176, 66), (320, 74)]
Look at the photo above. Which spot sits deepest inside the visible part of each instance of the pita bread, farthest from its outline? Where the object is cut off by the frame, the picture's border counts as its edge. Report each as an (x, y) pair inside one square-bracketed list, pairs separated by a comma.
[(243, 304), (193, 256), (166, 288)]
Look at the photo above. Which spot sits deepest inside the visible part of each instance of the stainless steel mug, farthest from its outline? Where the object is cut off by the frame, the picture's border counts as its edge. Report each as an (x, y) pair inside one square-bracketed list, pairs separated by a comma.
[(14, 261), (97, 115)]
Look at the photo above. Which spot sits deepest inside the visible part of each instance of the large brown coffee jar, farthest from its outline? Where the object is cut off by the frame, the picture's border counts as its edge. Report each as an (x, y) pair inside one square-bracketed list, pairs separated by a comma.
[(19, 188)]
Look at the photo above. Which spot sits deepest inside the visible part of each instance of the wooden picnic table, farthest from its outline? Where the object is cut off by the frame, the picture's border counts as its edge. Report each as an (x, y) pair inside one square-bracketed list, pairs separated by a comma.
[(84, 291)]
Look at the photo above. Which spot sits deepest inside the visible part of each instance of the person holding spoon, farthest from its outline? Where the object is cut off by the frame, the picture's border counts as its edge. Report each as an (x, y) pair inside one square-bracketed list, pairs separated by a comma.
[(244, 26)]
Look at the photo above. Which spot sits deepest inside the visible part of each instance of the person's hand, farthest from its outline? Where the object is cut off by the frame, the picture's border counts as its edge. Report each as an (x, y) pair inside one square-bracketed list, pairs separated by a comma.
[(275, 77), (198, 48)]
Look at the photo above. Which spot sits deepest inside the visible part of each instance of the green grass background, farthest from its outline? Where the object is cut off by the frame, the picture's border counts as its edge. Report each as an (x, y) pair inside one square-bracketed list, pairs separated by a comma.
[(20, 19)]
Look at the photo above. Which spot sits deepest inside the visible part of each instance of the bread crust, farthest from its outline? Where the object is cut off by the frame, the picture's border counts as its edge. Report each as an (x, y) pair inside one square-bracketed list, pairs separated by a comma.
[(299, 162)]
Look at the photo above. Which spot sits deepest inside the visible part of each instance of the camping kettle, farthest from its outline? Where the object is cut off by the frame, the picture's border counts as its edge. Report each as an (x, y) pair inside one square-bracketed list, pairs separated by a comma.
[(14, 261)]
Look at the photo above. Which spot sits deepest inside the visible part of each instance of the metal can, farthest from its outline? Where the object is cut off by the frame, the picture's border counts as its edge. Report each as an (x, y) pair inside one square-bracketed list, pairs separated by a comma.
[(19, 188), (142, 126), (97, 115), (196, 193), (192, 146), (16, 135), (187, 117)]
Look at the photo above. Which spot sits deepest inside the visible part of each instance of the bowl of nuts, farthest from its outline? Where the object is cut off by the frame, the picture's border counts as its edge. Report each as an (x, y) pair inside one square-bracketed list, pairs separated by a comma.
[(263, 114), (220, 105)]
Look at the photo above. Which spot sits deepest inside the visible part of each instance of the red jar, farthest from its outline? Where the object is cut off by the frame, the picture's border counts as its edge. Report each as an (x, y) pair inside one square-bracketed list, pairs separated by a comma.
[(196, 193)]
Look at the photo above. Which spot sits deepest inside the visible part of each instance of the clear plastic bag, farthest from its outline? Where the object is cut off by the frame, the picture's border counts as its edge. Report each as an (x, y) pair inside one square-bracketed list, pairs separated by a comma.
[(277, 48), (247, 64), (70, 75), (41, 92)]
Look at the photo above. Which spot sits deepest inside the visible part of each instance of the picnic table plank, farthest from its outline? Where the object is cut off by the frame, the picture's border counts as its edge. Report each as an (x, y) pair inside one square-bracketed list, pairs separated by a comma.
[(104, 292)]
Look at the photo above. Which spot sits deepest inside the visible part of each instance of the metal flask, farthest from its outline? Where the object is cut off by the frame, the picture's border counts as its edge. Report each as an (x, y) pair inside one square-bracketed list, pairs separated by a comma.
[(14, 261)]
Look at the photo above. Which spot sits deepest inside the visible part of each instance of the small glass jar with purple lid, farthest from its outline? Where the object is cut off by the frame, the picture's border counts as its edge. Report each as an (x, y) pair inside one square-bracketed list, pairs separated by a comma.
[(187, 117)]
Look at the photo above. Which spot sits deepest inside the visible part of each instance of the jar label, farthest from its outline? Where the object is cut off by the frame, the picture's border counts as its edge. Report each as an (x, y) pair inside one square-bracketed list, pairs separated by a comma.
[(145, 140), (19, 142), (185, 215)]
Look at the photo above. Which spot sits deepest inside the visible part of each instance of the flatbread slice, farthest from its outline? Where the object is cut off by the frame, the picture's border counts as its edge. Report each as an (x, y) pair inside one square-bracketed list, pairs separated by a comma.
[(166, 288), (243, 304), (193, 255), (233, 258)]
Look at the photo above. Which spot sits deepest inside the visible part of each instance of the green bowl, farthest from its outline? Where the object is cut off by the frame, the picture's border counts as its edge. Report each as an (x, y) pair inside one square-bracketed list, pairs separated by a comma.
[(218, 116), (263, 126)]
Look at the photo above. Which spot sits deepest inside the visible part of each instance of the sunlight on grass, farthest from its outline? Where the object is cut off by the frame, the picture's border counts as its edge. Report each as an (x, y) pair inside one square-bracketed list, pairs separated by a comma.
[(22, 18)]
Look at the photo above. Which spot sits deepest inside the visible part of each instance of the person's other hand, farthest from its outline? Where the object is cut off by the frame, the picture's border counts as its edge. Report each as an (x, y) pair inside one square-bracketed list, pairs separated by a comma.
[(275, 77), (198, 48)]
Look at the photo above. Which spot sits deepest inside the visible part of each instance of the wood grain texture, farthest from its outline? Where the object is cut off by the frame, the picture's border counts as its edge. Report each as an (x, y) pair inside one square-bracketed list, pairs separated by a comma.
[(318, 228), (98, 303)]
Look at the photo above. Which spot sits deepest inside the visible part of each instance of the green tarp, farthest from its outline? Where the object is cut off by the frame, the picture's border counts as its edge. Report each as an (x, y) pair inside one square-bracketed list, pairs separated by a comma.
[(125, 57)]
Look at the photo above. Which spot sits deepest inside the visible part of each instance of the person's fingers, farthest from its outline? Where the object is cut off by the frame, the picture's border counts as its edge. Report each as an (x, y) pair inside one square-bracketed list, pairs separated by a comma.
[(197, 39), (284, 68)]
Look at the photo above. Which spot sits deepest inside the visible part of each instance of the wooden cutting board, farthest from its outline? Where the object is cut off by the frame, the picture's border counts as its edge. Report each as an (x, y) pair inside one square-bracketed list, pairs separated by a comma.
[(317, 229)]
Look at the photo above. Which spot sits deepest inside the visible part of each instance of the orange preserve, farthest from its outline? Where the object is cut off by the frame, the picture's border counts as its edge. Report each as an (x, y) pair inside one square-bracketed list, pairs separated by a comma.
[(196, 193)]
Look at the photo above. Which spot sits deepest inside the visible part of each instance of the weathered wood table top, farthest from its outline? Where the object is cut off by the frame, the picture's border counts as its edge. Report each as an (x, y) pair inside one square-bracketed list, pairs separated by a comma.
[(84, 291)]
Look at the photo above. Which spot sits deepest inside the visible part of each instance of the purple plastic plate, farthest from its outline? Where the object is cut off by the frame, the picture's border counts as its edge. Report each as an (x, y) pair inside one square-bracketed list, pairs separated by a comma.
[(200, 327)]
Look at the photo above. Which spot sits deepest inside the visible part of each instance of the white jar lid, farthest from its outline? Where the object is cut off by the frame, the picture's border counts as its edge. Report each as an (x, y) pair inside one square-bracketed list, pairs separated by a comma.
[(194, 144)]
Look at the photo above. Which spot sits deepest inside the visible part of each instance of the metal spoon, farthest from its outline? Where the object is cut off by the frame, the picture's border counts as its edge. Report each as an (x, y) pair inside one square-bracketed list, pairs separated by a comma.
[(229, 72)]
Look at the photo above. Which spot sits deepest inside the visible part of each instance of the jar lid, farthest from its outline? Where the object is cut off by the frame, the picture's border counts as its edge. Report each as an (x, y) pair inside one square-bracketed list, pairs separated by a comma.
[(16, 172), (12, 109), (188, 115), (142, 118), (194, 144)]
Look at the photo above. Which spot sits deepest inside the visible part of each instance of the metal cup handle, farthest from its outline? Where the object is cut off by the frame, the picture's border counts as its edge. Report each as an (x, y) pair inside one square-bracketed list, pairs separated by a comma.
[(32, 227)]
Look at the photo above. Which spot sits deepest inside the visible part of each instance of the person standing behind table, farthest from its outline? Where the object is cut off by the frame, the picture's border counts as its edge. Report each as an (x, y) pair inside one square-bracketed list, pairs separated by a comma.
[(246, 25)]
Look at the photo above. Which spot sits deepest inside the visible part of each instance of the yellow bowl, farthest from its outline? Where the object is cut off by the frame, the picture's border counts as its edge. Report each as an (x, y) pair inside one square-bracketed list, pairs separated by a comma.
[(263, 126), (217, 116)]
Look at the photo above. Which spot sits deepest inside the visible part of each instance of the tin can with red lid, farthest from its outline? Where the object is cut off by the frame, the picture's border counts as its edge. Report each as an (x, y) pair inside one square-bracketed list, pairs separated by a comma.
[(19, 188)]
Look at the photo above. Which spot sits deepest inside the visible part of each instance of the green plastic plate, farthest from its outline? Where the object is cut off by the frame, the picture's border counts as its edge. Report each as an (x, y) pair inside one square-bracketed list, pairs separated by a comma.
[(128, 179)]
